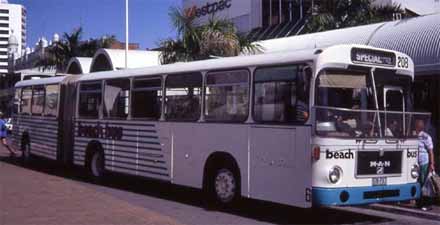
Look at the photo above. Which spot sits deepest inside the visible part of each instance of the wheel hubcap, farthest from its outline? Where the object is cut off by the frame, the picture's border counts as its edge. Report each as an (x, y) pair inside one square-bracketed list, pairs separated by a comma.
[(27, 152), (225, 185), (97, 165)]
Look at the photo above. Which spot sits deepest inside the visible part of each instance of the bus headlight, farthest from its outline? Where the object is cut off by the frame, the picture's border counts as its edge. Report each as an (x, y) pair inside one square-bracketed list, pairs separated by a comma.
[(415, 171), (335, 174)]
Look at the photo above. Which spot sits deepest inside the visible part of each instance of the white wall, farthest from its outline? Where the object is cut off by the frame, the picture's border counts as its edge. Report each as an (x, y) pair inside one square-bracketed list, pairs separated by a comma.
[(240, 11)]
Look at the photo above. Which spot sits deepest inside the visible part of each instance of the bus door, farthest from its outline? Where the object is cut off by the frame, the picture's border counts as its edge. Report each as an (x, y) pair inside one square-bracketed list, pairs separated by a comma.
[(280, 164), (394, 107)]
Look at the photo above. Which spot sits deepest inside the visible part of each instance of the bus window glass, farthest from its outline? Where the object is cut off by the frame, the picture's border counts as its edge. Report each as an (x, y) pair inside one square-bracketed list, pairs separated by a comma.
[(37, 100), (345, 100), (17, 97), (26, 98), (147, 98), (281, 94), (116, 98), (227, 95), (90, 99), (183, 97), (51, 102)]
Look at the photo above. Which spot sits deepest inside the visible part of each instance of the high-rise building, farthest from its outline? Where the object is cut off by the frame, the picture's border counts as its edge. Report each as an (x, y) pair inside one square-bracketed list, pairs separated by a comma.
[(12, 33)]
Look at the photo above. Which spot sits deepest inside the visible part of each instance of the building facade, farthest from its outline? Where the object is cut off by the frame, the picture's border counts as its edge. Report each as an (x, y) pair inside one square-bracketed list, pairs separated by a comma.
[(262, 19), (12, 30), (270, 19)]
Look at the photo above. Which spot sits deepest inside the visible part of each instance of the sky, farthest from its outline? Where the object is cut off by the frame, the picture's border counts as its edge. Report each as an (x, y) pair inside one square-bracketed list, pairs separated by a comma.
[(148, 21)]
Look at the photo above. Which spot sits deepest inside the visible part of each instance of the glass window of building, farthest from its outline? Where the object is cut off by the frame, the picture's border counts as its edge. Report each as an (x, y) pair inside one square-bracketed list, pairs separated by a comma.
[(38, 100), (147, 98), (281, 94), (282, 11), (183, 97), (227, 96), (26, 98), (51, 101), (116, 98), (90, 99)]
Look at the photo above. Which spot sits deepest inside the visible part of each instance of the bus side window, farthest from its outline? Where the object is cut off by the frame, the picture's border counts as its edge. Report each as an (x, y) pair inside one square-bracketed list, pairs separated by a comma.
[(17, 101), (183, 97), (227, 96), (51, 101), (116, 98), (90, 99), (37, 100), (26, 97), (147, 95), (280, 95)]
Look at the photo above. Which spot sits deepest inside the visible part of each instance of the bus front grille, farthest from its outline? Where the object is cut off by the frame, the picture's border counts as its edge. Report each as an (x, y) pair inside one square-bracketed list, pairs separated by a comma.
[(381, 194)]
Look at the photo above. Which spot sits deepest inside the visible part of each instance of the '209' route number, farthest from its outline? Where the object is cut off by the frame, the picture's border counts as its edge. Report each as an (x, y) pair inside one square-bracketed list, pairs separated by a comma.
[(402, 62)]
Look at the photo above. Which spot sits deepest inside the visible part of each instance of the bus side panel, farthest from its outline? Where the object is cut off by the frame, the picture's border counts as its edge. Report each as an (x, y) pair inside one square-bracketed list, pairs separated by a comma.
[(193, 143), (130, 147), (42, 133), (16, 135), (281, 164)]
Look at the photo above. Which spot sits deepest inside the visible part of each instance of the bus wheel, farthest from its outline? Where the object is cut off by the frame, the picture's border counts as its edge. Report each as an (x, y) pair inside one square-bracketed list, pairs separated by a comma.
[(97, 164), (26, 152), (225, 186)]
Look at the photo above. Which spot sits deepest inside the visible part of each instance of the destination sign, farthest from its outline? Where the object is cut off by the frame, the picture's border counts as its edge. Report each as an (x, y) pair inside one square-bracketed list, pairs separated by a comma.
[(373, 57)]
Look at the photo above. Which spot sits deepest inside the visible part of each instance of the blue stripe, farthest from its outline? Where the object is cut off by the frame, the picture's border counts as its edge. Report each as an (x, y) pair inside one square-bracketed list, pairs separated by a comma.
[(331, 196)]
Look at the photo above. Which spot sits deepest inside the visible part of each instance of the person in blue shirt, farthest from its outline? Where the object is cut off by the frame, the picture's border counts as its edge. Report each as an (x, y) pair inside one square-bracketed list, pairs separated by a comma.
[(3, 135), (425, 158)]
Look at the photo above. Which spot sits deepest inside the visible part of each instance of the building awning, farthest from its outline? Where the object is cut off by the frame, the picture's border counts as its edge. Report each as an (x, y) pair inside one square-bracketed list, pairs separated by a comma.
[(114, 59), (418, 37), (79, 65)]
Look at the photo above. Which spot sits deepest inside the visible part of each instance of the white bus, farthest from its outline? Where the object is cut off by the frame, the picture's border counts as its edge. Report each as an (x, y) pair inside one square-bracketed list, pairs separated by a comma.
[(330, 123)]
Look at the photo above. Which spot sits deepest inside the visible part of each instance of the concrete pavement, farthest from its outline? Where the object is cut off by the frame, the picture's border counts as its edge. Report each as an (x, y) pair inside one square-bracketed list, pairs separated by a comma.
[(44, 193), (30, 197)]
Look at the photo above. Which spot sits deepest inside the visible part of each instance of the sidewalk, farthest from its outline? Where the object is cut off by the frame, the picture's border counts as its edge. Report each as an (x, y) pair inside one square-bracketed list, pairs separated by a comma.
[(408, 209), (31, 197)]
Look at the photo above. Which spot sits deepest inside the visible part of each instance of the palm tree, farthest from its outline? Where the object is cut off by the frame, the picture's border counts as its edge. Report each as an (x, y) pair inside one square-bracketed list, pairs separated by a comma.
[(217, 38), (334, 14), (88, 48), (59, 53)]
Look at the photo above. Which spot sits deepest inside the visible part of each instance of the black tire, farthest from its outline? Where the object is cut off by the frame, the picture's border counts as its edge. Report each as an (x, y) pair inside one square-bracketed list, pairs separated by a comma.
[(97, 165), (224, 186), (26, 155)]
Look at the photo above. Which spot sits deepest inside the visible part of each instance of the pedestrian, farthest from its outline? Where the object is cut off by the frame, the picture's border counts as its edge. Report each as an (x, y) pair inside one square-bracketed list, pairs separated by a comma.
[(3, 135), (425, 159)]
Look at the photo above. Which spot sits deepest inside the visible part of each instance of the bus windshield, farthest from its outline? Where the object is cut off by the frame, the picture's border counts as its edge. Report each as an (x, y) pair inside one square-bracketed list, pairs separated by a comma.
[(349, 105)]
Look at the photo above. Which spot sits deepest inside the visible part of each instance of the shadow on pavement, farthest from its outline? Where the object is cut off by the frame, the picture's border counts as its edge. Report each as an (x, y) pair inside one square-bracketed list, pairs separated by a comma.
[(258, 210)]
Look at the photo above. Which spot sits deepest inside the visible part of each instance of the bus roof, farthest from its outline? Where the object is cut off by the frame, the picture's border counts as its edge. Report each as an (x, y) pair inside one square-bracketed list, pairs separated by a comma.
[(42, 81), (326, 57), (210, 64)]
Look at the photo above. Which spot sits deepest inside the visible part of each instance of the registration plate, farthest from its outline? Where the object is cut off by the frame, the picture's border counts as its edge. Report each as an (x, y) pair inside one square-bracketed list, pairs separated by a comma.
[(379, 181)]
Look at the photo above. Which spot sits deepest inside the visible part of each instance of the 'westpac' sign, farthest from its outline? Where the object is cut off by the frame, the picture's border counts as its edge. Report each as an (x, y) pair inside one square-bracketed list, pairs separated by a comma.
[(202, 10), (208, 8)]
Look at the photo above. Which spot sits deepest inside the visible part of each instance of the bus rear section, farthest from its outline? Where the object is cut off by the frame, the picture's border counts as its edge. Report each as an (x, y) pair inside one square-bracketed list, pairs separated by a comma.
[(35, 120), (42, 118)]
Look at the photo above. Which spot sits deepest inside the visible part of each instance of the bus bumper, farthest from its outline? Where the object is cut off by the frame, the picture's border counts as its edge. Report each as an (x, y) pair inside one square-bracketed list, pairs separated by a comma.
[(365, 195)]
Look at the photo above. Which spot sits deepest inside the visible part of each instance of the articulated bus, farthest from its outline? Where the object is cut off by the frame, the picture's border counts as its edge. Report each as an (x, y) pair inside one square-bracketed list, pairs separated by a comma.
[(329, 126)]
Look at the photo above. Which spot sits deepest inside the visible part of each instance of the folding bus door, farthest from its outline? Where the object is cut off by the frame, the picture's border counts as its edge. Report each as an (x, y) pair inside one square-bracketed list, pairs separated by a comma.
[(280, 164)]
